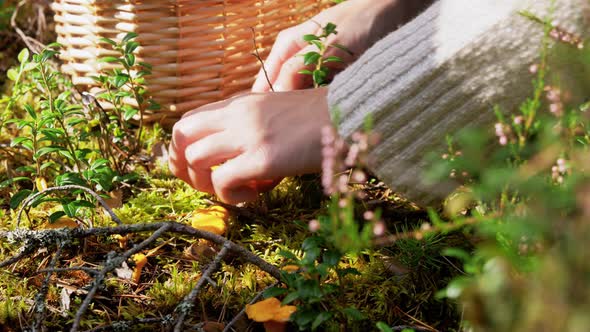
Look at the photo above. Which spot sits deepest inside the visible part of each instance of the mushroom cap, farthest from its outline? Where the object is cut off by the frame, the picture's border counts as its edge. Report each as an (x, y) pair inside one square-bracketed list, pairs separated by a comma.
[(211, 219), (269, 310)]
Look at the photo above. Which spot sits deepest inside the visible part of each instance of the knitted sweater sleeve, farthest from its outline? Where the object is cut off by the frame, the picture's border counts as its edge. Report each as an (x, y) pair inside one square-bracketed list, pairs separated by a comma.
[(441, 72)]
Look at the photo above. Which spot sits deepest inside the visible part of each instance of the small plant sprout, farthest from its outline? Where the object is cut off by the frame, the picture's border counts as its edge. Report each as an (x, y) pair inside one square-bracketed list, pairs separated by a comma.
[(318, 58)]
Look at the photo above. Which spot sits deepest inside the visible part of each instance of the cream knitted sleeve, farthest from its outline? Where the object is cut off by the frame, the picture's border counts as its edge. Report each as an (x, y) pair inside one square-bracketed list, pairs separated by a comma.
[(441, 72)]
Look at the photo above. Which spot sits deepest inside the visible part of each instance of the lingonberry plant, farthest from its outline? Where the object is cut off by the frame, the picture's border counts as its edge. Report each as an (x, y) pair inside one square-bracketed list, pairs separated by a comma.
[(318, 58), (72, 138)]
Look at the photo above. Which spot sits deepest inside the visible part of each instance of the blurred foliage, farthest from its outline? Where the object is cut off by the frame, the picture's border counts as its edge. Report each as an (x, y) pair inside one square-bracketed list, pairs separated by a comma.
[(526, 198)]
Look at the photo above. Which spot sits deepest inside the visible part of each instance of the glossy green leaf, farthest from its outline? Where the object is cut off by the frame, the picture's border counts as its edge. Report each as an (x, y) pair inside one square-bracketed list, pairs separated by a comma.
[(17, 198)]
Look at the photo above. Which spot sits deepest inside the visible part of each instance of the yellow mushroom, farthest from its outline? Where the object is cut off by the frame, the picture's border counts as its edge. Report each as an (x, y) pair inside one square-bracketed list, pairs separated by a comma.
[(140, 261), (62, 222), (212, 219), (271, 313)]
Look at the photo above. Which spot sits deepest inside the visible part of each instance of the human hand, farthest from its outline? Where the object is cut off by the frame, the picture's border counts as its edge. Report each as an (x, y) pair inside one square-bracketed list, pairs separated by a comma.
[(360, 23), (254, 139)]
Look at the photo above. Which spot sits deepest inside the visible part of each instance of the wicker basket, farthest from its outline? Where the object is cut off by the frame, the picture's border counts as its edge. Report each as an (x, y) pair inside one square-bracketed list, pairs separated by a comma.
[(201, 50)]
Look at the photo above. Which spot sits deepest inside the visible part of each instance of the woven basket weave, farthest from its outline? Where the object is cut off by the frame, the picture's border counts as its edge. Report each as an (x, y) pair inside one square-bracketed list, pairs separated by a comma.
[(201, 50)]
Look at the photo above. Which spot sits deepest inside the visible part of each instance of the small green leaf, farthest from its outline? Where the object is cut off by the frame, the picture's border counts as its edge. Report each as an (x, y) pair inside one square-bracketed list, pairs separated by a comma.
[(146, 65), (332, 58), (108, 41), (309, 38), (353, 313), (130, 113), (130, 59), (23, 56), (19, 140), (47, 54), (31, 111), (30, 66), (55, 45), (383, 327), (120, 80), (305, 72), (109, 59), (319, 76), (12, 74), (17, 198), (332, 257), (290, 298), (288, 255), (128, 37), (130, 47), (318, 44), (8, 182), (329, 29), (342, 47), (274, 292), (55, 216), (311, 58), (47, 149), (320, 319)]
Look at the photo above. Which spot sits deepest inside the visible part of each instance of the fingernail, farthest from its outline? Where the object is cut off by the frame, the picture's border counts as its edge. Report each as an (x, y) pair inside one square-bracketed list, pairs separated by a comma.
[(242, 194)]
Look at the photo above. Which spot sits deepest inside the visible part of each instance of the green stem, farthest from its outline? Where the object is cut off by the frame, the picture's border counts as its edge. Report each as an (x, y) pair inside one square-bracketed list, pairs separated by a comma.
[(60, 120)]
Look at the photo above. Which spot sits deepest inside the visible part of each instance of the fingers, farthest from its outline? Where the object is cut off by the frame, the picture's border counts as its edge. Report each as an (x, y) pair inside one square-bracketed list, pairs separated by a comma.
[(289, 77), (187, 131), (288, 43), (236, 180), (205, 153), (212, 150)]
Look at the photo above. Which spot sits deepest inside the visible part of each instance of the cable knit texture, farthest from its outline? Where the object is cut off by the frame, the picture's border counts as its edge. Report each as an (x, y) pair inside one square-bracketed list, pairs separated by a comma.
[(442, 72)]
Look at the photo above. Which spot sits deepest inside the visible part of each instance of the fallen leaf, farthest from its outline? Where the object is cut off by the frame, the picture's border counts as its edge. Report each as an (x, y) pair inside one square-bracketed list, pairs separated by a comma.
[(65, 300), (200, 251), (124, 272), (115, 199)]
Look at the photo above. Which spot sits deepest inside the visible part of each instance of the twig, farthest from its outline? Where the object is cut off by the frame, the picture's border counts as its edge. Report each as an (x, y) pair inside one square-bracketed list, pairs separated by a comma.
[(126, 325), (187, 303), (243, 311), (257, 55), (63, 188), (112, 263), (26, 39), (28, 248), (48, 237), (42, 294), (70, 269)]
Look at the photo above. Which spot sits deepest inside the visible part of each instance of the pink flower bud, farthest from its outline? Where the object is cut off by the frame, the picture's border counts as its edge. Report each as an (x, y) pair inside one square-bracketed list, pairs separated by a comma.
[(314, 225)]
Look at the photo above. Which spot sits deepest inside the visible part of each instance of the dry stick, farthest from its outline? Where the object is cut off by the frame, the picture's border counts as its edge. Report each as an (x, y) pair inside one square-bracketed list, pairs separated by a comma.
[(50, 236), (188, 302), (126, 325), (26, 39), (70, 269), (112, 263), (23, 251), (68, 187), (241, 313), (259, 58), (42, 294)]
